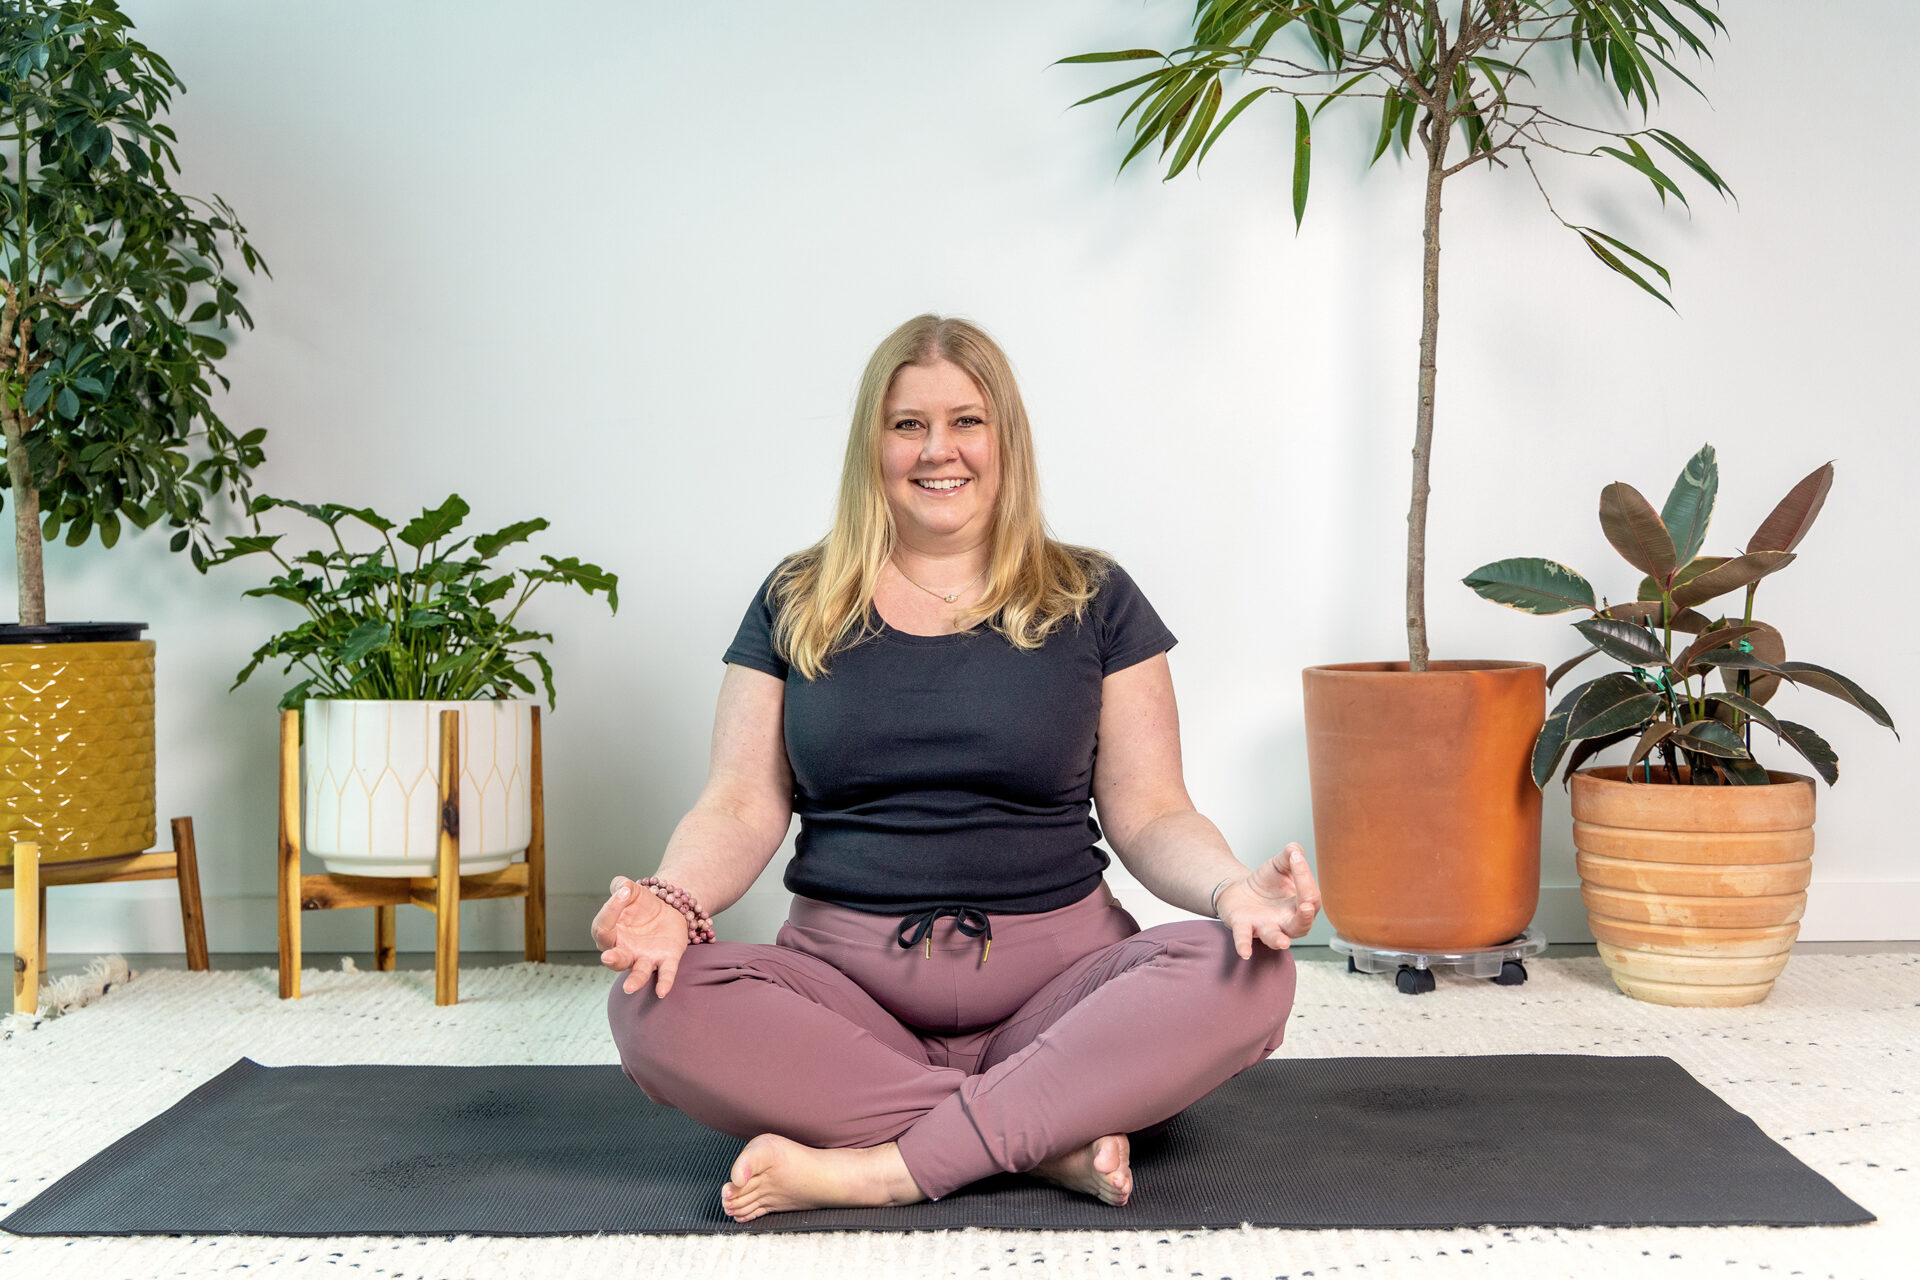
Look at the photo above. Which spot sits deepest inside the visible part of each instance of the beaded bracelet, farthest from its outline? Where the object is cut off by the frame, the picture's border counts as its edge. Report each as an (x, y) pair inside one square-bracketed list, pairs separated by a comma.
[(699, 923)]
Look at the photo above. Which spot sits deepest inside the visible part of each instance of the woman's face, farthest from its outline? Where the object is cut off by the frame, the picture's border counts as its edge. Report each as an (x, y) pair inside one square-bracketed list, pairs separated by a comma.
[(939, 459)]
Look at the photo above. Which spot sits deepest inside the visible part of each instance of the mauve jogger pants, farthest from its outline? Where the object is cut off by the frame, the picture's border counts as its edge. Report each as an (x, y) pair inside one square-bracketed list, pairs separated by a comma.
[(1076, 1023)]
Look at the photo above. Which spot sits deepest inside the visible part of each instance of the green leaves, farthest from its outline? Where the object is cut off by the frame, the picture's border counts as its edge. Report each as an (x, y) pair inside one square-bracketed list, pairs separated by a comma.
[(118, 278), (1532, 585), (1688, 727), (430, 526), (1690, 505), (1302, 160), (377, 627)]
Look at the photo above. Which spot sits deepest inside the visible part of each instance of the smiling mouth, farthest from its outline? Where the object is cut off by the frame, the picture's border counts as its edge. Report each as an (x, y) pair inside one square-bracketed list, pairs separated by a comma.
[(941, 486)]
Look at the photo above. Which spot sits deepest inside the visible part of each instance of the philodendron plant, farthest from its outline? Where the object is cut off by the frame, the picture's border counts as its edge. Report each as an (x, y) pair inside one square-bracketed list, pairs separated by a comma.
[(384, 625), (1664, 700)]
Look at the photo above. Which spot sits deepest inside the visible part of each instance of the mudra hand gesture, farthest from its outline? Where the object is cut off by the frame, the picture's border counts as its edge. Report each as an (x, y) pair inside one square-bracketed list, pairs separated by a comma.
[(638, 932), (1275, 902)]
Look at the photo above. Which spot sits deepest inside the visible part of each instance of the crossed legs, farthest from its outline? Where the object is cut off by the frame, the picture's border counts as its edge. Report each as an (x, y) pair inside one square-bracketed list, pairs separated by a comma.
[(840, 1098)]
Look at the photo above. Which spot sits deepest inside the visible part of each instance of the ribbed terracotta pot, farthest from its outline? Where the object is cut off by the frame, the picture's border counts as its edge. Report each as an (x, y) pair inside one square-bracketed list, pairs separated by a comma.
[(1694, 894), (1426, 822)]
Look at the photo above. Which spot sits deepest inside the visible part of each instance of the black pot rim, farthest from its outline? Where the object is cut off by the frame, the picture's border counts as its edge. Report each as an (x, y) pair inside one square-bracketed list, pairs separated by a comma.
[(70, 632)]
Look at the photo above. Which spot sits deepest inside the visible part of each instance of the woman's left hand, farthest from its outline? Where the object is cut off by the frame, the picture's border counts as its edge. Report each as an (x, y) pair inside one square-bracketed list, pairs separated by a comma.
[(1276, 902)]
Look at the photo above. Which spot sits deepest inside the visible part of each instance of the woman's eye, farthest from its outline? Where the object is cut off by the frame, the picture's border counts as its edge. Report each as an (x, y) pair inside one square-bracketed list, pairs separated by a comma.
[(969, 422), (905, 424)]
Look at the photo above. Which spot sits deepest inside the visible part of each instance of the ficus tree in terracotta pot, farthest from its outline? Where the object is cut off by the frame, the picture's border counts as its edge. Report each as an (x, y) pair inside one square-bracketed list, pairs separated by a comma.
[(116, 294), (1694, 858), (1427, 828)]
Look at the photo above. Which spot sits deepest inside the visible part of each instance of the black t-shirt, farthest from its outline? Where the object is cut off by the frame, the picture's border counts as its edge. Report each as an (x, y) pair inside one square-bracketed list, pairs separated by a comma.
[(931, 770)]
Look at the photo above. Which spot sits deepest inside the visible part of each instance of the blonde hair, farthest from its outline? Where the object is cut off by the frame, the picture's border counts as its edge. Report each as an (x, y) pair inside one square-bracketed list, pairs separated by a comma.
[(823, 596)]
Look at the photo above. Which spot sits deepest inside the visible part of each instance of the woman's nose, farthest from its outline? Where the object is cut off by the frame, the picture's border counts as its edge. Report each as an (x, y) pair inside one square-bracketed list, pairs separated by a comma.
[(939, 444)]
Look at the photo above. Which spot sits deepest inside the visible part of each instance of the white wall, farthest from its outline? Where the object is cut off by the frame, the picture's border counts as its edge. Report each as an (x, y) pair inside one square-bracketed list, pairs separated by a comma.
[(619, 265)]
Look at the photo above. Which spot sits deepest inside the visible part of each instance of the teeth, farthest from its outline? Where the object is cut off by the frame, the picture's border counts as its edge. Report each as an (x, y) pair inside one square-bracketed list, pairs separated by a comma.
[(939, 484)]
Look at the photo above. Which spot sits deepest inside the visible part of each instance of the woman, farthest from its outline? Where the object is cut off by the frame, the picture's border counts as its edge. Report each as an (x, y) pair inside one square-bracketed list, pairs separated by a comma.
[(956, 992)]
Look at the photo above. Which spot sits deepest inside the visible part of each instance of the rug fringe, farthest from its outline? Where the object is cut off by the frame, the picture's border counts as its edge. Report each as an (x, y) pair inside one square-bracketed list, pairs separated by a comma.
[(75, 991)]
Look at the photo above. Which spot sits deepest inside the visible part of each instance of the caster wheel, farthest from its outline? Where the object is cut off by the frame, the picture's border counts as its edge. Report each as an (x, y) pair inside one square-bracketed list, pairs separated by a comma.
[(1512, 974), (1351, 966), (1412, 981)]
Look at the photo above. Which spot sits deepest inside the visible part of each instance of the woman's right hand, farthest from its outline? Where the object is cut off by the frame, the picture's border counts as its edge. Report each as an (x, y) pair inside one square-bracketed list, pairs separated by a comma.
[(640, 934)]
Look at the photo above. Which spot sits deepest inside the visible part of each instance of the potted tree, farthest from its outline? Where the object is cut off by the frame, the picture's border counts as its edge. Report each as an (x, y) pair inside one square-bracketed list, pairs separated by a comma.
[(1426, 825), (1694, 859), (115, 291)]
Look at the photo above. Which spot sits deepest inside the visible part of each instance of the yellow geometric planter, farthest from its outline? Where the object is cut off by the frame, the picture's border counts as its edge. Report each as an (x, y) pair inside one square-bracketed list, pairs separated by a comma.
[(76, 748)]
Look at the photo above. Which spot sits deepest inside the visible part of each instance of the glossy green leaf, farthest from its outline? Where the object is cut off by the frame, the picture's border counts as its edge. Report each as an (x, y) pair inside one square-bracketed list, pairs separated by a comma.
[(1624, 641), (1746, 707), (1588, 748), (1807, 675), (1610, 704), (1690, 505), (1196, 129), (1813, 748), (1302, 160), (1548, 748), (1745, 772), (1531, 585), (1117, 55), (1788, 522), (1634, 529), (1710, 737), (1607, 254)]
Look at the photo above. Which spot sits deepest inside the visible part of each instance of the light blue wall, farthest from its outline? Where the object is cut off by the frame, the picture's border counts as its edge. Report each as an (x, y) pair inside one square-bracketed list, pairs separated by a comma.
[(619, 265)]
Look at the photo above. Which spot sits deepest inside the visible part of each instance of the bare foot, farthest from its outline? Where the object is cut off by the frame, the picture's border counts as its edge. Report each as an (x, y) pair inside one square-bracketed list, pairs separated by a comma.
[(1101, 1168), (772, 1174)]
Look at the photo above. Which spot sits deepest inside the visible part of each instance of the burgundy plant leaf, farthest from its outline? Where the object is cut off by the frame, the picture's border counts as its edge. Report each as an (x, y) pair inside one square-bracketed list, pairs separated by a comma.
[(1788, 523)]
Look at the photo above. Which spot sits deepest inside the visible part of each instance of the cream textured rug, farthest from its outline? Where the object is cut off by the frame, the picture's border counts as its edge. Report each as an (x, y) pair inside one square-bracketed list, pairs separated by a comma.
[(1829, 1066)]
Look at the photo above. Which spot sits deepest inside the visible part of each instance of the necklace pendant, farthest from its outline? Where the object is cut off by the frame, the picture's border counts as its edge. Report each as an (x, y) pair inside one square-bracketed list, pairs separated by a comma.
[(949, 599)]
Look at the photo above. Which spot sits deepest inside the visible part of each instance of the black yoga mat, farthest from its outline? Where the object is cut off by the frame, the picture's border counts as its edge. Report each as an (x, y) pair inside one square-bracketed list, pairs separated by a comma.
[(1544, 1140)]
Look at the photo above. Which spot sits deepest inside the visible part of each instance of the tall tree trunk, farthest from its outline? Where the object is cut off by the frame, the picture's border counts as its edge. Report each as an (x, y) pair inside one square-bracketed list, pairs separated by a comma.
[(1438, 130), (25, 500)]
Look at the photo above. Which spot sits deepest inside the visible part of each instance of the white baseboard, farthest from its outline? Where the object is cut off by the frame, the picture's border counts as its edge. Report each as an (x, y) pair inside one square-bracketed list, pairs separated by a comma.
[(146, 918)]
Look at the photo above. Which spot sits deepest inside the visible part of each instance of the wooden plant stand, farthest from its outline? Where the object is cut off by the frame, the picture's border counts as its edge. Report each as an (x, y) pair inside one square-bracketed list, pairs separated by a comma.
[(440, 893), (29, 879)]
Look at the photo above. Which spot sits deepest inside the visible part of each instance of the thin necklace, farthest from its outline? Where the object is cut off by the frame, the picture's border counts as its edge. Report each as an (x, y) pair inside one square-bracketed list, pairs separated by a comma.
[(943, 595)]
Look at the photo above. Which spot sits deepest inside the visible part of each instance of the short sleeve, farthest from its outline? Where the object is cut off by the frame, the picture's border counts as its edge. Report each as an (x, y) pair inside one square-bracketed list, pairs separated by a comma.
[(1130, 631), (753, 644)]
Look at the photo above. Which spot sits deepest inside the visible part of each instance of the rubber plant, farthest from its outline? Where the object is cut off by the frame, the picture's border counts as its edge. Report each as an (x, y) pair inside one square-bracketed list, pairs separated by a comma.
[(1457, 76), (115, 295), (1665, 701)]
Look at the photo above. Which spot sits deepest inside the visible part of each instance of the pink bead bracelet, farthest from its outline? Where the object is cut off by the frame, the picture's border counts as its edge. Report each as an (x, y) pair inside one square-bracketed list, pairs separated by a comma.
[(699, 923)]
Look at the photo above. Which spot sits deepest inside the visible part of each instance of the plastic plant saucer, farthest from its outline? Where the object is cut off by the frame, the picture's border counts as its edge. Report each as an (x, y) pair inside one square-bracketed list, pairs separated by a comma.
[(1504, 963)]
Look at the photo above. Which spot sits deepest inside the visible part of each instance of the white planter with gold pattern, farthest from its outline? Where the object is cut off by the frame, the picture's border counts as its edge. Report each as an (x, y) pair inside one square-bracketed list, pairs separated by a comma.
[(372, 778)]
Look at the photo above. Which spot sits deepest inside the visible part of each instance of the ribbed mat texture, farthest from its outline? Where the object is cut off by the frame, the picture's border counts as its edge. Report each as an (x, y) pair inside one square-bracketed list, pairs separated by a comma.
[(1551, 1140)]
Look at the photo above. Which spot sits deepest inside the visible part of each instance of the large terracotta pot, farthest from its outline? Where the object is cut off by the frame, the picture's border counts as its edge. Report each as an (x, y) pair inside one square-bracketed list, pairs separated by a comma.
[(76, 740), (1694, 894), (1426, 822)]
